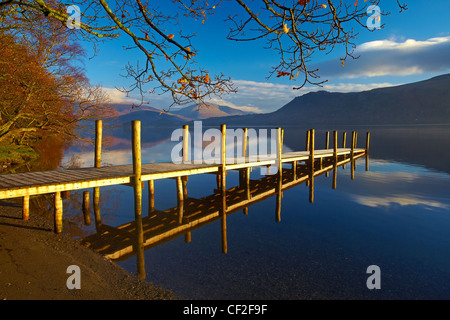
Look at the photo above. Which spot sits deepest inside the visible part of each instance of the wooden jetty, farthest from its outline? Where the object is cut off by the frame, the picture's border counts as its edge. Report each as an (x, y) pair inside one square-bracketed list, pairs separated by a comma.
[(159, 226), (26, 185)]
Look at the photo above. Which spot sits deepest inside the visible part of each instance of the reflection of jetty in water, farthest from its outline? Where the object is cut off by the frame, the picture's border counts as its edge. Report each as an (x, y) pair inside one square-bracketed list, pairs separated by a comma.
[(122, 242)]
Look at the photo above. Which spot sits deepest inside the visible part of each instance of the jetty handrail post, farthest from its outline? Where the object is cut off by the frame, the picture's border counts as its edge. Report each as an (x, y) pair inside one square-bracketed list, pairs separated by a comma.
[(344, 139), (308, 138), (367, 150), (335, 145), (186, 156), (280, 152), (243, 172), (223, 206), (311, 162), (352, 159), (185, 143), (137, 166), (98, 143)]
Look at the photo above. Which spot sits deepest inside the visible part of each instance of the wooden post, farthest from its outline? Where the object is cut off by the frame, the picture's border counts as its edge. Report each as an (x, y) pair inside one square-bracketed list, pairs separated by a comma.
[(352, 146), (344, 138), (367, 142), (185, 144), (137, 169), (98, 143), (335, 139), (327, 146), (151, 196), (223, 157), (86, 211), (223, 207), (356, 138), (243, 172), (308, 138), (367, 150), (294, 170), (58, 213), (280, 152), (352, 166), (137, 175), (311, 161), (335, 145), (26, 208)]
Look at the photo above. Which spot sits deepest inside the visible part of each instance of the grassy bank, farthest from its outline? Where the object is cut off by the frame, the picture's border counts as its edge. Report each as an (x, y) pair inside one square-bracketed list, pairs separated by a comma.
[(12, 155)]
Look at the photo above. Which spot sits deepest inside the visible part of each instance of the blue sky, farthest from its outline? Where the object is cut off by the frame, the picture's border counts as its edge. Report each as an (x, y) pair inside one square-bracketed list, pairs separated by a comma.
[(414, 45)]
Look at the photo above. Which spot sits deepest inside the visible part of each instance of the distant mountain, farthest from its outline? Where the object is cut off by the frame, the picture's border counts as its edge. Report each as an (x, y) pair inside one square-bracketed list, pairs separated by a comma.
[(208, 110), (424, 102)]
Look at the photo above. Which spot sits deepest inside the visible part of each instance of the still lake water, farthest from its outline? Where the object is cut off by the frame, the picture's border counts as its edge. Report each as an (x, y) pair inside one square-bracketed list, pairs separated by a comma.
[(395, 216)]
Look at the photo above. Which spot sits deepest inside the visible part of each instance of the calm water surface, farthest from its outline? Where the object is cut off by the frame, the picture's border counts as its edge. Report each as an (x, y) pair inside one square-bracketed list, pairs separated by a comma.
[(395, 216)]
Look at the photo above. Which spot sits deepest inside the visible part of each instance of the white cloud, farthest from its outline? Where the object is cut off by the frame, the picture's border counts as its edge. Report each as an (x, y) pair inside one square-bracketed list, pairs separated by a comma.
[(391, 57), (117, 96), (402, 200)]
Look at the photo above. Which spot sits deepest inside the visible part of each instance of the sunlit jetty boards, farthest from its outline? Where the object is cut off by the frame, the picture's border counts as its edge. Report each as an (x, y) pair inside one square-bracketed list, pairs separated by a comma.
[(24, 185)]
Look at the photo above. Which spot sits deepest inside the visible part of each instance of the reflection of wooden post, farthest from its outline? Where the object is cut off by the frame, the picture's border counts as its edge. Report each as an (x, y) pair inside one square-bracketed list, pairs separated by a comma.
[(58, 212), (97, 216), (139, 248), (86, 211), (334, 174), (98, 143), (187, 237), (278, 204), (26, 208), (311, 160), (180, 199), (151, 196), (247, 183)]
